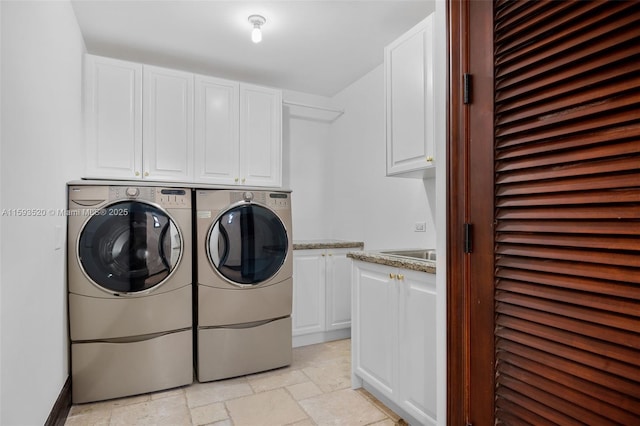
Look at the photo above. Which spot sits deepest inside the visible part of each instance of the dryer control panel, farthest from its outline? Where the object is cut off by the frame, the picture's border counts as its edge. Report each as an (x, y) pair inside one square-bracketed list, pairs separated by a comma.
[(278, 200), (274, 200)]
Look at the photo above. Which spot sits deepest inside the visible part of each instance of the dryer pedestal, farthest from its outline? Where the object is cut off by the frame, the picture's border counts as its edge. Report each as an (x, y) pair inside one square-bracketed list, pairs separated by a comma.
[(225, 352)]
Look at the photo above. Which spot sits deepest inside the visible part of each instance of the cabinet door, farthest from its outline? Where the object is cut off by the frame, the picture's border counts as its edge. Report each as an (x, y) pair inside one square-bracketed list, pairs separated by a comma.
[(113, 118), (308, 291), (374, 325), (409, 101), (338, 284), (260, 136), (417, 345), (217, 143), (168, 124)]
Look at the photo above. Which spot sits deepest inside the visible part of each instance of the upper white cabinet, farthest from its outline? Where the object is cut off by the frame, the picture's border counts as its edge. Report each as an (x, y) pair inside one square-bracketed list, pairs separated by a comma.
[(217, 159), (238, 133), (113, 118), (146, 122), (167, 143), (409, 92), (260, 136)]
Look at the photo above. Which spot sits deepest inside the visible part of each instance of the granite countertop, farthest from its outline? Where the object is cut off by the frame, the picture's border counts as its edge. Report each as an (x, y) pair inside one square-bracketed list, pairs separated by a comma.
[(326, 244), (395, 261)]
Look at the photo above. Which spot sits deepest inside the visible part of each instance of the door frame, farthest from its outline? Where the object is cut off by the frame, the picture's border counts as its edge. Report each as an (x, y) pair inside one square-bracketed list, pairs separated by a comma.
[(470, 322)]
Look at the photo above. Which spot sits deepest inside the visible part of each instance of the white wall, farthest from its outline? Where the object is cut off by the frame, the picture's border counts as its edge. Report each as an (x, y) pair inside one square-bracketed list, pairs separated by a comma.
[(306, 159), (41, 150), (365, 204)]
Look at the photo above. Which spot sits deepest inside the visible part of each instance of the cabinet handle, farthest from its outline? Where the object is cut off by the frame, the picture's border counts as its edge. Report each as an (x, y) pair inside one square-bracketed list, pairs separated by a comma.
[(236, 180), (400, 277), (330, 254), (146, 173), (243, 179), (137, 173), (392, 276), (323, 255), (429, 158)]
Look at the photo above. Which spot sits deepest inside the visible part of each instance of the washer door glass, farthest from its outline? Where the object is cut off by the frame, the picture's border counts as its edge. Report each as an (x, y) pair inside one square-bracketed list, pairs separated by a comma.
[(248, 244), (129, 247)]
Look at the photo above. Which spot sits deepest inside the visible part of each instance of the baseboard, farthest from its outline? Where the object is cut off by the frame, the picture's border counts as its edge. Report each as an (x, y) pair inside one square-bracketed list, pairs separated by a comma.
[(321, 337), (60, 410)]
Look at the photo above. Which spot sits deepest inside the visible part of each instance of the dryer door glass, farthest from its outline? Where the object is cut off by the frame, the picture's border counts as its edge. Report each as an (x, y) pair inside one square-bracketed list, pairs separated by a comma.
[(129, 247), (248, 244)]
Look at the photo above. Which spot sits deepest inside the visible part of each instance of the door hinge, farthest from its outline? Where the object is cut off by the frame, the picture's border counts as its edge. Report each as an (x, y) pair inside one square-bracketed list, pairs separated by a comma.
[(467, 88), (468, 238)]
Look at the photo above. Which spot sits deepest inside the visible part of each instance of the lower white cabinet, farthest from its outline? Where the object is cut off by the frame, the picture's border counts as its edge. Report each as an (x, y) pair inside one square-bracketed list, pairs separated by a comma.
[(394, 338), (321, 295)]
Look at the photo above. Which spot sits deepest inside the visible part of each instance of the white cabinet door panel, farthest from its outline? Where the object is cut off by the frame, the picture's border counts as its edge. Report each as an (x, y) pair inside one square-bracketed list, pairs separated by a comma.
[(308, 291), (168, 124), (407, 101), (409, 81), (260, 136), (113, 118), (217, 150), (417, 337), (338, 289), (376, 327)]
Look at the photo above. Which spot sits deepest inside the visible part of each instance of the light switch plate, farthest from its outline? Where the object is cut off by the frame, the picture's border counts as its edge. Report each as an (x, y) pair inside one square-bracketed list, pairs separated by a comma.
[(420, 227)]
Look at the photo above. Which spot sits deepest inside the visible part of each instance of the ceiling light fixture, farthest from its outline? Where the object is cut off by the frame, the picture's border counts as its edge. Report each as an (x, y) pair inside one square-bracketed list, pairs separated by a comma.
[(257, 21)]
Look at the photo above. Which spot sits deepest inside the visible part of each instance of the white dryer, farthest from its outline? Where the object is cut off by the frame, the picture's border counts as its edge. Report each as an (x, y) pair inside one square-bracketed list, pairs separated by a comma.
[(244, 292), (130, 290)]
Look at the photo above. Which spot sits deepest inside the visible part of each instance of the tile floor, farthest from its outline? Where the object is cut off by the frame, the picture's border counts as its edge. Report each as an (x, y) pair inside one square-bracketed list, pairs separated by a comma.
[(314, 390)]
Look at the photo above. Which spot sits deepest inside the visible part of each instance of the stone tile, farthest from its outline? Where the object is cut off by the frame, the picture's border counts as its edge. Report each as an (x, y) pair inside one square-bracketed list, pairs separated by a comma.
[(107, 405), (258, 409), (343, 407), (226, 422), (200, 394), (304, 390), (306, 422), (307, 356), (165, 411), (97, 418), (276, 379), (168, 393), (207, 414), (387, 422), (379, 405), (330, 375)]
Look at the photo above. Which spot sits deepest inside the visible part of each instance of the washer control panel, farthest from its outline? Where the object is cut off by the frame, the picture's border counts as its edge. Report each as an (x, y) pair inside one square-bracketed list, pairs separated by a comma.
[(165, 197)]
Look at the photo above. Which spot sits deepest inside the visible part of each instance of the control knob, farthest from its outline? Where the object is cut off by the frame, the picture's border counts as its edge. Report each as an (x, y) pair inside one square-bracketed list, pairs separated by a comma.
[(132, 192)]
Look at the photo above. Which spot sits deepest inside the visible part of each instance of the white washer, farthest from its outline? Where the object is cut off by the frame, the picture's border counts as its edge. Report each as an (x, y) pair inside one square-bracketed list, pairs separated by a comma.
[(244, 292), (130, 290)]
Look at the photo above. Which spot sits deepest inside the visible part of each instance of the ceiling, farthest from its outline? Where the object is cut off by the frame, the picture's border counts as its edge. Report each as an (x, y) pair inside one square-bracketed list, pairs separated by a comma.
[(317, 47)]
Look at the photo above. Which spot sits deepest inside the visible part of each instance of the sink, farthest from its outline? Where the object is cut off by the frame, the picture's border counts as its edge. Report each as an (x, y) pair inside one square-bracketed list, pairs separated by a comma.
[(413, 254)]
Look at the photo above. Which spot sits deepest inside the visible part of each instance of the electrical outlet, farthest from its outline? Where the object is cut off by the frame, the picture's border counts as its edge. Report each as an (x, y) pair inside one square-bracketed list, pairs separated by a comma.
[(420, 227)]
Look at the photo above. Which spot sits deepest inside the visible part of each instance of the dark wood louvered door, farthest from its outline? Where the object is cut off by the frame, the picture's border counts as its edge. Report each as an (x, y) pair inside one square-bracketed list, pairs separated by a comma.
[(564, 284)]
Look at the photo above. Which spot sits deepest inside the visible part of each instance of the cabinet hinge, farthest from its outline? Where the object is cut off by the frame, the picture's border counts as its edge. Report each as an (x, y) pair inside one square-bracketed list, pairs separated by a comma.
[(468, 238), (466, 88)]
